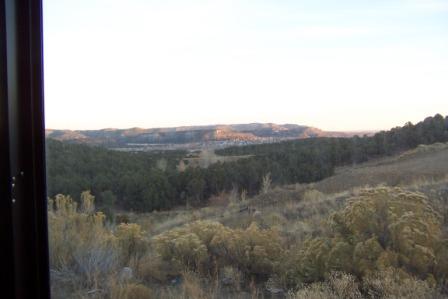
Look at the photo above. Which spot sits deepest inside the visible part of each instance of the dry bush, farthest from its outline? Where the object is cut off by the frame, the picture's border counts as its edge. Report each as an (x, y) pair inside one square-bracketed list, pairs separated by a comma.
[(82, 251), (379, 228), (392, 283), (314, 291), (387, 284), (254, 251), (193, 288), (390, 219), (131, 242), (337, 286), (266, 184), (344, 285), (306, 263), (85, 254), (197, 246), (182, 248)]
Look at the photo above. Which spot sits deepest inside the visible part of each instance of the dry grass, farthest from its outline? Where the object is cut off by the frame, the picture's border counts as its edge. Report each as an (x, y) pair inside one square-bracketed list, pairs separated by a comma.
[(394, 171), (130, 291)]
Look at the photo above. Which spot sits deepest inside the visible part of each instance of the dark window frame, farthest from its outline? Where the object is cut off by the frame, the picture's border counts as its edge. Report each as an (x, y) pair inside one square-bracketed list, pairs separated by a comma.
[(23, 208)]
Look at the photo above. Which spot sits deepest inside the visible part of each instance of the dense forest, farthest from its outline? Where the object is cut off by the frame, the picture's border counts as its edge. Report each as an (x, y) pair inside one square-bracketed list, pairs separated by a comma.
[(151, 181), (359, 149)]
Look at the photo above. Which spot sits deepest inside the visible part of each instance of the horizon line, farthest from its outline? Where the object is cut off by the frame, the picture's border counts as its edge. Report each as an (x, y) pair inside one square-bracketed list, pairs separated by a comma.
[(219, 124)]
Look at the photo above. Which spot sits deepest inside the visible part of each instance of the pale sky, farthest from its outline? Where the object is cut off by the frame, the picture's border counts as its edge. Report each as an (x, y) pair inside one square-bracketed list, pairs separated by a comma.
[(333, 64)]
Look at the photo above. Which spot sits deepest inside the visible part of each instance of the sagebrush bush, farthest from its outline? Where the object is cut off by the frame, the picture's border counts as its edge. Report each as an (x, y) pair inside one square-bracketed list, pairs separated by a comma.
[(386, 284), (393, 283), (378, 229), (131, 241), (193, 288), (200, 244), (385, 243), (337, 286), (82, 250), (182, 248)]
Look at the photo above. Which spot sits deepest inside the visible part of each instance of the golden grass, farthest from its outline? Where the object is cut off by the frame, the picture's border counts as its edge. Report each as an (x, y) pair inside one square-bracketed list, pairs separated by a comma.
[(393, 171)]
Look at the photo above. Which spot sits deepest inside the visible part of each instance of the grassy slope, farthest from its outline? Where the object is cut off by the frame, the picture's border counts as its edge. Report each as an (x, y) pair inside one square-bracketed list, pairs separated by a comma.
[(423, 163), (299, 209)]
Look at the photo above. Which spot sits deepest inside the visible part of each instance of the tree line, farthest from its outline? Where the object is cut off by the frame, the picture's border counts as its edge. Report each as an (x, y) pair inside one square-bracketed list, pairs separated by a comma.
[(151, 181)]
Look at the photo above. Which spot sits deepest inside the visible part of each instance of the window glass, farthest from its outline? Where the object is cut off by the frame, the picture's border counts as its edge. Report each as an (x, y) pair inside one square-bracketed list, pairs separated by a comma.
[(247, 149)]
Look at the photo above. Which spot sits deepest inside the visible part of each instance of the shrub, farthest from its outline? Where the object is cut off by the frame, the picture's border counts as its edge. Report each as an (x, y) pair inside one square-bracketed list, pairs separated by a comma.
[(309, 263), (379, 228), (192, 287), (314, 291), (82, 250), (182, 248), (266, 183), (393, 283), (338, 286), (390, 219), (255, 251), (201, 243), (131, 241)]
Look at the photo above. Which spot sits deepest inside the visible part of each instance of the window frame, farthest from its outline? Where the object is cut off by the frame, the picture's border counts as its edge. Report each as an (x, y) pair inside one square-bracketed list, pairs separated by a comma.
[(23, 203)]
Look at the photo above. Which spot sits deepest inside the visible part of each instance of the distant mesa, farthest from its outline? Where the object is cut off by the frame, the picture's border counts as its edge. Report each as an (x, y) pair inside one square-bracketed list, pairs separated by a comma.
[(244, 133)]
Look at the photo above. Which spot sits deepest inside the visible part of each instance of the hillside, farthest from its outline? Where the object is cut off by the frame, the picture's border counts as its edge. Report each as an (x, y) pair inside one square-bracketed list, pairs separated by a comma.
[(424, 169), (372, 229), (147, 181), (299, 241), (426, 162), (246, 133)]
